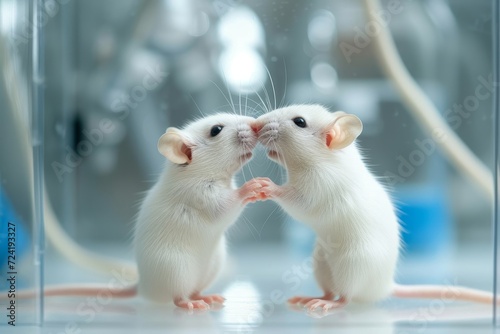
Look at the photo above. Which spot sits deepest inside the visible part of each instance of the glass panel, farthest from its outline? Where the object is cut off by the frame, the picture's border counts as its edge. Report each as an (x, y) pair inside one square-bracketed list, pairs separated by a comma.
[(21, 163), (496, 109), (116, 73)]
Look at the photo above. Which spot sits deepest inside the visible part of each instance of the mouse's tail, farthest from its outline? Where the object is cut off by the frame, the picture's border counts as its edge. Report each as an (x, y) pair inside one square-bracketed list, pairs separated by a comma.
[(79, 290), (442, 292), (91, 290)]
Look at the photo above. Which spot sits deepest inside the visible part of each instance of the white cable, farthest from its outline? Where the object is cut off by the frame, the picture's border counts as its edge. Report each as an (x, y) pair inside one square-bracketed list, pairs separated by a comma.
[(423, 109), (66, 246), (77, 254)]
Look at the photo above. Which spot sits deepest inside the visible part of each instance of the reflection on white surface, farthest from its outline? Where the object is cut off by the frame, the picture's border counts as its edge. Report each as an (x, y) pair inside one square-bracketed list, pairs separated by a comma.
[(243, 305), (248, 290)]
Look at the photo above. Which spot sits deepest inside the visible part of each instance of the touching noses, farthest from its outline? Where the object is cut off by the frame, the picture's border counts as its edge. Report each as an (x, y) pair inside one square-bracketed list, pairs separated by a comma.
[(256, 127)]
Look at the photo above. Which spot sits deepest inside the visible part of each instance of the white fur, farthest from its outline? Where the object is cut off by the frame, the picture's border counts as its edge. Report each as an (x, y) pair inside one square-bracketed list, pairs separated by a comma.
[(179, 237), (330, 188), (333, 192)]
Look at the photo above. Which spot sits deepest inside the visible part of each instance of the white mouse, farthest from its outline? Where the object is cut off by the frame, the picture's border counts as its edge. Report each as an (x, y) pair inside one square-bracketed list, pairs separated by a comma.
[(179, 234), (330, 189)]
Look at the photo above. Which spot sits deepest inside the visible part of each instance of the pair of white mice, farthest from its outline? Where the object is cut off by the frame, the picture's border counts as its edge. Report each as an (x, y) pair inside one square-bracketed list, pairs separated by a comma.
[(179, 236)]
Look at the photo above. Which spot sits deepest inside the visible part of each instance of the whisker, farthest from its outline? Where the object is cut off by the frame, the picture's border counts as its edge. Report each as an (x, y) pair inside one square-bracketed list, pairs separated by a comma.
[(228, 91), (268, 99), (280, 156), (282, 103), (250, 171), (243, 170), (224, 95), (253, 109), (246, 103), (267, 219), (272, 85), (257, 103), (194, 101), (263, 103), (239, 98), (249, 223)]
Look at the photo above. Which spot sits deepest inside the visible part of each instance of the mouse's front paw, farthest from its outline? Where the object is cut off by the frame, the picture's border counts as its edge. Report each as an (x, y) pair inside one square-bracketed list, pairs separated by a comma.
[(258, 189)]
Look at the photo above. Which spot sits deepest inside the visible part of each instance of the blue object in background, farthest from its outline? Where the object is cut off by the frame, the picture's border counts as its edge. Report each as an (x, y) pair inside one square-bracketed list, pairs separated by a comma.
[(22, 242), (424, 215), (425, 219)]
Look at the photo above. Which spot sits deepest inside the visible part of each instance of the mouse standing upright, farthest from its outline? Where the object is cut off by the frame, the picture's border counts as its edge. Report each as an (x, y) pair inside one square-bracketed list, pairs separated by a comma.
[(331, 189), (179, 236)]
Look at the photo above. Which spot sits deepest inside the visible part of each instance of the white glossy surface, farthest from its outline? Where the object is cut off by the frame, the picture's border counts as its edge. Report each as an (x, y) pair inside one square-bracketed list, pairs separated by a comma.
[(256, 294)]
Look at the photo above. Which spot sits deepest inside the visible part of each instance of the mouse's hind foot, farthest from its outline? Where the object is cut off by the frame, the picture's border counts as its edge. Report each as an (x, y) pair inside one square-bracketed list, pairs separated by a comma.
[(299, 300), (209, 299), (325, 304), (192, 304)]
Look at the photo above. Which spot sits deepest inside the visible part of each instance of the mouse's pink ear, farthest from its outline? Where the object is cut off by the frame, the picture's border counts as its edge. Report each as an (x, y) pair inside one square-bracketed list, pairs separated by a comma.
[(172, 144), (343, 131)]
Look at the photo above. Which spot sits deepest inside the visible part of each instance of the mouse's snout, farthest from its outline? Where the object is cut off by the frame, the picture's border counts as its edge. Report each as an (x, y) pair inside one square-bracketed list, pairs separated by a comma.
[(246, 134), (256, 128), (268, 132)]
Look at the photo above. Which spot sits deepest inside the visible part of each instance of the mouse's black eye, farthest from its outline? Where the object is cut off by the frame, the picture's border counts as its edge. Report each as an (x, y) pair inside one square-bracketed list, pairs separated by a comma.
[(300, 122), (216, 129)]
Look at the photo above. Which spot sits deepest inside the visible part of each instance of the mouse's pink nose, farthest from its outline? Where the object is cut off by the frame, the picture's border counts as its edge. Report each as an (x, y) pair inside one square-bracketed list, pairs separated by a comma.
[(256, 128)]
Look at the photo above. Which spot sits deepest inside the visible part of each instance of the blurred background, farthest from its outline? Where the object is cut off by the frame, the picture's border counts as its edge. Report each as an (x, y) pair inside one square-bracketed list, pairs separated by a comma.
[(147, 65), (117, 73)]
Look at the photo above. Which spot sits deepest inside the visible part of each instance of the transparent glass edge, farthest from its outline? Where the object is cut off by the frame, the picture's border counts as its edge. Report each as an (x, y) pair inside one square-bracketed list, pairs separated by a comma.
[(496, 115), (37, 144)]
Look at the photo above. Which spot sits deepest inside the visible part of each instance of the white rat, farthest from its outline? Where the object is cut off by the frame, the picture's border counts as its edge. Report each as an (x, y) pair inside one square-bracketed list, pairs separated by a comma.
[(179, 235), (330, 189)]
